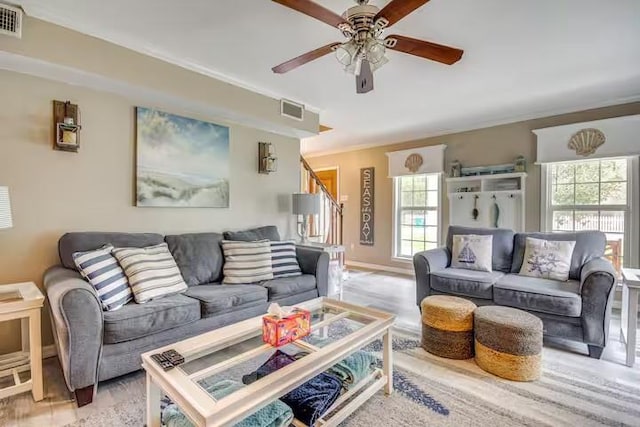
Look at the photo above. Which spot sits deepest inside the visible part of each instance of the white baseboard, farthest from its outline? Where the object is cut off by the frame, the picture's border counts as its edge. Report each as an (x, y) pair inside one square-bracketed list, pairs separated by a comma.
[(378, 267), (49, 351)]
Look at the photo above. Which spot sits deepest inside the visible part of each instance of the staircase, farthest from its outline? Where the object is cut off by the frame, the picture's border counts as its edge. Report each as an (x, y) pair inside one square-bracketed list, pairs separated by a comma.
[(326, 227)]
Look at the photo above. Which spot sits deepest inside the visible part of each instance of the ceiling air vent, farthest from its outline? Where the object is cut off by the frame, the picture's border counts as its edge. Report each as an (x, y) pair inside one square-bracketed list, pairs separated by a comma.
[(292, 110), (10, 21)]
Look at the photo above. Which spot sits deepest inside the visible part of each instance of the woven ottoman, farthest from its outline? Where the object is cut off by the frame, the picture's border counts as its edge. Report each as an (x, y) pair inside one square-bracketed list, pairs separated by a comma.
[(447, 326), (508, 342)]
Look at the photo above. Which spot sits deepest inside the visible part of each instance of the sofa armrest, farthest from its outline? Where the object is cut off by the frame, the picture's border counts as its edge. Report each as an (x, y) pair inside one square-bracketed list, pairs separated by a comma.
[(424, 263), (77, 320), (597, 283), (316, 262)]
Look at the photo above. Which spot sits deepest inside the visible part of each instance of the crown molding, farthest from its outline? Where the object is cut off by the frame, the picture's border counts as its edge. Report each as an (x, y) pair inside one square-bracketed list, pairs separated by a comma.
[(52, 16), (138, 94), (309, 154)]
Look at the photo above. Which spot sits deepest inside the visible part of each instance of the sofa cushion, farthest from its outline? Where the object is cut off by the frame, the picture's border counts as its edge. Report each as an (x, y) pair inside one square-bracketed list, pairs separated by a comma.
[(269, 232), (287, 286), (139, 320), (471, 283), (502, 244), (589, 245), (198, 255), (535, 294), (219, 299), (88, 241)]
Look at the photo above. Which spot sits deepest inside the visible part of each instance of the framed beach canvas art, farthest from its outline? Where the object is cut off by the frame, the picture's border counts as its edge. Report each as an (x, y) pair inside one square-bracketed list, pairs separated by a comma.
[(181, 162)]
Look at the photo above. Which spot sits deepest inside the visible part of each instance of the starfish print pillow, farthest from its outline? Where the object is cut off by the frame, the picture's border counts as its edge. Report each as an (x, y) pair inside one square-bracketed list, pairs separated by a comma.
[(547, 259)]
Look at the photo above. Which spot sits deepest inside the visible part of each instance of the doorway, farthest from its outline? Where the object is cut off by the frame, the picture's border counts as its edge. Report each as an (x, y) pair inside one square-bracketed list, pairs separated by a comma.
[(329, 177)]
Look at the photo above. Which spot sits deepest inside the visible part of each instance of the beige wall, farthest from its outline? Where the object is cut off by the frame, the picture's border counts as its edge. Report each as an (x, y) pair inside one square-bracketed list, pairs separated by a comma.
[(52, 44), (490, 146), (53, 192)]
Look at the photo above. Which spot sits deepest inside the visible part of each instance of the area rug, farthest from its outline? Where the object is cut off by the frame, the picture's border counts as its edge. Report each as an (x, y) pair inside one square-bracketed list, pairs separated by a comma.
[(573, 391)]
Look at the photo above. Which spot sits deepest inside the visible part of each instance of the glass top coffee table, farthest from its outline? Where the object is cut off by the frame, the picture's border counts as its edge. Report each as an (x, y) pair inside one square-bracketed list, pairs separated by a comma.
[(338, 329)]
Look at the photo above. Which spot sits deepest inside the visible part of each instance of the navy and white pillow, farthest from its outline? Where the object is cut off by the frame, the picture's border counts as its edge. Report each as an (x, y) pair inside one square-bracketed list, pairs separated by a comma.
[(104, 273), (152, 272), (246, 262), (284, 260)]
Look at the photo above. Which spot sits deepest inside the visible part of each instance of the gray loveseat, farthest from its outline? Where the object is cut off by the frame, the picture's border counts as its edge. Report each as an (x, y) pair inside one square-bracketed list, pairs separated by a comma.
[(94, 345), (578, 309)]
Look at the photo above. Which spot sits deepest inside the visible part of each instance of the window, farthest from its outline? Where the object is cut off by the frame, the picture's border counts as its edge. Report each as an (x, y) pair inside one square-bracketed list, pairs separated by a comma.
[(592, 195), (417, 214)]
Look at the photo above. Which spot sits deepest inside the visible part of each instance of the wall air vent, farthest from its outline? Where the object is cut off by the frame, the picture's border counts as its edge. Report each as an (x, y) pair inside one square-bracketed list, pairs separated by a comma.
[(10, 21), (292, 110)]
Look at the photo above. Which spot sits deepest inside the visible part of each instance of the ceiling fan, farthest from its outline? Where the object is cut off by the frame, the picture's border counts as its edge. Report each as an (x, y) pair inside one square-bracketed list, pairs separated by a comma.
[(365, 49)]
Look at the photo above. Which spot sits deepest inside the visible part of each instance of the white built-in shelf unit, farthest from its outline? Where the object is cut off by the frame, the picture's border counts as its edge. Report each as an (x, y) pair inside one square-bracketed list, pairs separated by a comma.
[(501, 194)]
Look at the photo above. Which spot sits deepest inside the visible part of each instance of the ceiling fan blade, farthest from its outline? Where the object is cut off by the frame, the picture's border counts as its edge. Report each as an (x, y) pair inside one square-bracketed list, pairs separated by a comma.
[(398, 9), (435, 52), (303, 59), (313, 10)]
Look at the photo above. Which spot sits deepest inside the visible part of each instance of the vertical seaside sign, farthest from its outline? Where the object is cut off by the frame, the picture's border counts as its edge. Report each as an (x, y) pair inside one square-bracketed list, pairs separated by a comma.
[(367, 193)]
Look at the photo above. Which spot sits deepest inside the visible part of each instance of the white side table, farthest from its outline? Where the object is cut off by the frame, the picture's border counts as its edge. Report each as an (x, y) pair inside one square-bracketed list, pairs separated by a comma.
[(629, 321), (23, 301), (336, 266)]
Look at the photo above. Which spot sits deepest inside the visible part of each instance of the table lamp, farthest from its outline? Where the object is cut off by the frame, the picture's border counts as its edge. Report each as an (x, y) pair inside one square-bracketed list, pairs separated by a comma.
[(305, 204), (5, 209)]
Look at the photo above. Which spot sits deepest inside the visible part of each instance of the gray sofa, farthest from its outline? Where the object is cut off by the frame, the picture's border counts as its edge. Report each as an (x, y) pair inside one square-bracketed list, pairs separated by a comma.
[(94, 345), (578, 309)]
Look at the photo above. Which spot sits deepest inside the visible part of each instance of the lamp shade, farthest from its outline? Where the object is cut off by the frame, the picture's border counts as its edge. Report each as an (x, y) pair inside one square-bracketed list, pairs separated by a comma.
[(5, 209), (305, 203)]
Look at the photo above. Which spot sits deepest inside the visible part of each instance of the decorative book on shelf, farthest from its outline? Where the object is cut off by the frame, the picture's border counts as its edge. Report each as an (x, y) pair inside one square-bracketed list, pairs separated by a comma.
[(11, 296)]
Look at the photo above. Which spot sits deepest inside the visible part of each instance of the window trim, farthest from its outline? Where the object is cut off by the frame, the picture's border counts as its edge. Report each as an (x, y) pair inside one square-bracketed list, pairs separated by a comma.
[(395, 243), (632, 208)]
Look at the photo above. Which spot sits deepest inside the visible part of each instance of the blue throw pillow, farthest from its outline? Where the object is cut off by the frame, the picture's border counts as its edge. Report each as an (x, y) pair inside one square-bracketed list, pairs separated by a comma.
[(284, 259), (104, 273)]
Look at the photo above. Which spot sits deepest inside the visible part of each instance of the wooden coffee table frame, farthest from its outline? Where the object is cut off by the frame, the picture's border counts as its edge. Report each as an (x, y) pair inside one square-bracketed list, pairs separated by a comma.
[(203, 410)]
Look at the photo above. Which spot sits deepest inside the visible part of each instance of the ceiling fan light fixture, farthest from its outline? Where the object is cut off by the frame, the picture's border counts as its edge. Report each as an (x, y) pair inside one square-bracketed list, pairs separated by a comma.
[(377, 65), (375, 51), (346, 52)]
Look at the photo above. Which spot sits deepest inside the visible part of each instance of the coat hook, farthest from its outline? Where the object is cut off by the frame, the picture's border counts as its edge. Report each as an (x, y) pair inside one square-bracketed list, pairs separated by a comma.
[(493, 197), (460, 197)]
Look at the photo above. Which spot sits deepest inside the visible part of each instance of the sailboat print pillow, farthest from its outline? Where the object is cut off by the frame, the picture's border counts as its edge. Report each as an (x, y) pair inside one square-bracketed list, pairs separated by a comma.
[(472, 252)]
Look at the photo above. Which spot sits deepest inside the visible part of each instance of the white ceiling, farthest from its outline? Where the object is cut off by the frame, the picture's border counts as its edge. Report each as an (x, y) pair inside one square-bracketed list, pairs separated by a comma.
[(523, 59)]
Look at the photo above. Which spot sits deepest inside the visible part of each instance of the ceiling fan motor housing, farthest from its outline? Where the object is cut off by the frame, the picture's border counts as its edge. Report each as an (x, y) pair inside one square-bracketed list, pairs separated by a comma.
[(362, 20)]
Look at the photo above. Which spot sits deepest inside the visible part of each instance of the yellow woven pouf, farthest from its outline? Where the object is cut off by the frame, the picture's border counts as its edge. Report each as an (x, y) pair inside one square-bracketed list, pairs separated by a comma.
[(508, 342), (447, 326)]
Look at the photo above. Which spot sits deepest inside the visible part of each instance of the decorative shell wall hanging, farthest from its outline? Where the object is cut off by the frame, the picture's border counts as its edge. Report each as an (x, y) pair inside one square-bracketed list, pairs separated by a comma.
[(413, 162), (586, 141)]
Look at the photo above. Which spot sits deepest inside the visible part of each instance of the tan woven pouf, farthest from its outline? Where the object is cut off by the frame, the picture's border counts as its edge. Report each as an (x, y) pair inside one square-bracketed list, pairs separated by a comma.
[(508, 342), (447, 326)]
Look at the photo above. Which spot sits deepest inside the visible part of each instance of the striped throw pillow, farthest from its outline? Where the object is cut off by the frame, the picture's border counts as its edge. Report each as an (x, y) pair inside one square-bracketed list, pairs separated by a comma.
[(284, 260), (152, 272), (246, 262), (102, 270)]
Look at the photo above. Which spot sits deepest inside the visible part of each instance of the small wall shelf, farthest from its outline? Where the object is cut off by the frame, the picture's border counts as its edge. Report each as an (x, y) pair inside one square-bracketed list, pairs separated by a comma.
[(499, 200)]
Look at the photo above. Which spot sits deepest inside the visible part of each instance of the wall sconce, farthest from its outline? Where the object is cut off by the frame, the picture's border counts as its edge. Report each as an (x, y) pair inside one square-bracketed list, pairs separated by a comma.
[(267, 160), (65, 119)]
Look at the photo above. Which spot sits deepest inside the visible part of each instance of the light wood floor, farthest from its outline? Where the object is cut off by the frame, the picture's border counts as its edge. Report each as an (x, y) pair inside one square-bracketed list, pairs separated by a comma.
[(390, 292), (396, 294)]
